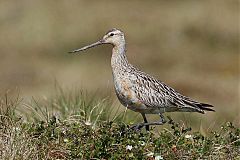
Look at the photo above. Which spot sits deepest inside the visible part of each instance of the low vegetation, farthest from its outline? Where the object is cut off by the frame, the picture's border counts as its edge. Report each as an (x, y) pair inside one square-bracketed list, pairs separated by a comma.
[(69, 126)]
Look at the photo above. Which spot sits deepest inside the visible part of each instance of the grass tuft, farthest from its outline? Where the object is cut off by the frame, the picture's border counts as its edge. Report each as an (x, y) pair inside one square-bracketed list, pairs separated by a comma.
[(71, 126)]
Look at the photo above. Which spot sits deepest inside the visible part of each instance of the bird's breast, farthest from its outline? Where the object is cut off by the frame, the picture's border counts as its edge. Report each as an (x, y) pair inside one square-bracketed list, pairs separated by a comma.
[(126, 94)]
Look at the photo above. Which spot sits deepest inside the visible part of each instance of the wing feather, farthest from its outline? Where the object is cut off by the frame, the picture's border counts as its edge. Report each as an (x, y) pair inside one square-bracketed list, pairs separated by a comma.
[(154, 93)]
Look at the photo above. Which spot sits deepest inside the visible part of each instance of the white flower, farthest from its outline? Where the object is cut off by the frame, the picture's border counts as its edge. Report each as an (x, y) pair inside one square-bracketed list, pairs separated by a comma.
[(129, 147), (88, 123), (17, 129), (142, 143), (158, 157), (188, 136), (150, 154), (65, 140)]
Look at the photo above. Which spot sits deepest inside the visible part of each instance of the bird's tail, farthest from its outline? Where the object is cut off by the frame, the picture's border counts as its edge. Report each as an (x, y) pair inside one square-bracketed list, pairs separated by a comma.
[(206, 107), (199, 107)]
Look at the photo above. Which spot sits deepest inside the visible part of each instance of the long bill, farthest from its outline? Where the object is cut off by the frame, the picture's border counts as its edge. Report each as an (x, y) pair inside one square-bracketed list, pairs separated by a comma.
[(88, 46)]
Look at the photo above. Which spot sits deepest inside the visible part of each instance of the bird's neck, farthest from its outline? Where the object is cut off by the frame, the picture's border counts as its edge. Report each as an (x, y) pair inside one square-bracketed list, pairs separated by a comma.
[(119, 59)]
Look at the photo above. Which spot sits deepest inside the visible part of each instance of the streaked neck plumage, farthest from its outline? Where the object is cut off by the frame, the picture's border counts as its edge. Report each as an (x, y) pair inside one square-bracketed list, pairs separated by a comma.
[(119, 60)]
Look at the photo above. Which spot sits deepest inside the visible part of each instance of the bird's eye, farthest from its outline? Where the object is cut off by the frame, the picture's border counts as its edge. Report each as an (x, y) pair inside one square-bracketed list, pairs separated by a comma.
[(111, 34)]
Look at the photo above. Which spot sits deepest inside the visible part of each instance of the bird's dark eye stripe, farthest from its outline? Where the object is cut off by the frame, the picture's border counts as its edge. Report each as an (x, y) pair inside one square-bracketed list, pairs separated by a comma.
[(111, 34)]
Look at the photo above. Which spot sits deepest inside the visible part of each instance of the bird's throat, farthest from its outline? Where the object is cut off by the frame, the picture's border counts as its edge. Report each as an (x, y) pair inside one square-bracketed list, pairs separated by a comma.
[(119, 59)]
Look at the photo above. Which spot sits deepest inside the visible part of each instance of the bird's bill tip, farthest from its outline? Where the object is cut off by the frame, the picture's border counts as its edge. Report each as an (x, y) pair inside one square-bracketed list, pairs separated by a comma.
[(72, 51), (76, 50), (87, 47)]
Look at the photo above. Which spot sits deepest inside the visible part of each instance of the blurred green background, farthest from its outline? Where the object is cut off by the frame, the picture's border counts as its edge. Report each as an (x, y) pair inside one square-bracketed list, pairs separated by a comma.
[(192, 46)]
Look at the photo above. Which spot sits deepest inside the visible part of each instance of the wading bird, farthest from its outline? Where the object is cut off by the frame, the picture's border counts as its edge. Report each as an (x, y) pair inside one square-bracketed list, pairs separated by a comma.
[(139, 91)]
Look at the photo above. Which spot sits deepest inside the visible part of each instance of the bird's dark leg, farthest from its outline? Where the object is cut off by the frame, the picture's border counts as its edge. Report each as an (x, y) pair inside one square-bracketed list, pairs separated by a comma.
[(145, 121), (146, 124), (162, 118)]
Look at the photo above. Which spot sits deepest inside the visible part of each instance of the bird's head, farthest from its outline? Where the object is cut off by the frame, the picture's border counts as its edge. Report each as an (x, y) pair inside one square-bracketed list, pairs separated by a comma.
[(114, 37)]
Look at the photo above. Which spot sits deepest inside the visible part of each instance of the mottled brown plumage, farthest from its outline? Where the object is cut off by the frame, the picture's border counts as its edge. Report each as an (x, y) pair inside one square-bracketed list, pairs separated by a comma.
[(139, 91)]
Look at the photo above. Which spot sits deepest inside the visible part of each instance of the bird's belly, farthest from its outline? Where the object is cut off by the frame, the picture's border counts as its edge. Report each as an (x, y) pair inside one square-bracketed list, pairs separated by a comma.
[(127, 96), (131, 103)]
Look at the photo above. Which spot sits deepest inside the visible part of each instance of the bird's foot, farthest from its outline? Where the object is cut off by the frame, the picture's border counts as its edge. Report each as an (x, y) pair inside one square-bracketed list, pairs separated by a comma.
[(136, 128)]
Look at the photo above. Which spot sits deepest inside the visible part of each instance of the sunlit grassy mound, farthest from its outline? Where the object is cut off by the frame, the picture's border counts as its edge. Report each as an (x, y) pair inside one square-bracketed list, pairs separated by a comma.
[(71, 127)]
